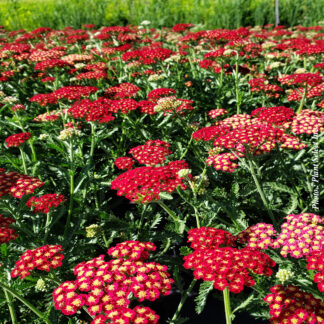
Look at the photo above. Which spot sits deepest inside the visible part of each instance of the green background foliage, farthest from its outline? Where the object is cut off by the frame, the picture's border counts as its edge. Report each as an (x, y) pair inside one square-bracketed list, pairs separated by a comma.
[(30, 14)]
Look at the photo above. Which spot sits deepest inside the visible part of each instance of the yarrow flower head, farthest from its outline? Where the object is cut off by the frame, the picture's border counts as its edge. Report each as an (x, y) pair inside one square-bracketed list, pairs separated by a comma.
[(43, 258), (123, 90), (259, 236), (153, 152), (17, 139), (105, 287), (124, 163), (315, 261), (274, 115), (307, 122), (18, 185), (300, 235), (144, 184), (6, 232), (215, 260), (44, 203), (291, 305), (217, 113), (209, 238)]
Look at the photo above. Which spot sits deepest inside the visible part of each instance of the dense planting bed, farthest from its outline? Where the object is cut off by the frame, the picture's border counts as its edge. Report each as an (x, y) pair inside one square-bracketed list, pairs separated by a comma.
[(142, 168)]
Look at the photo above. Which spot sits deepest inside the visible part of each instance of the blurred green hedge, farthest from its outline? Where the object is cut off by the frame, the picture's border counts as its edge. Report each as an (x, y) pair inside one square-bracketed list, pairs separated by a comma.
[(30, 14)]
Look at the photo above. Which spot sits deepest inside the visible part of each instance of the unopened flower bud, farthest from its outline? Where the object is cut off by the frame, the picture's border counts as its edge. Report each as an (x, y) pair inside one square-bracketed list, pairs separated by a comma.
[(183, 173), (284, 275), (93, 230)]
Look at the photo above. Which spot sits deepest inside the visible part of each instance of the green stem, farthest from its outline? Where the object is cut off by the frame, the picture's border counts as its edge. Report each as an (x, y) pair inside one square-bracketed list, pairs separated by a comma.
[(182, 301), (25, 302), (22, 154), (260, 191), (67, 225), (11, 307), (237, 87), (48, 222), (303, 100), (186, 151), (227, 305), (93, 133), (171, 213)]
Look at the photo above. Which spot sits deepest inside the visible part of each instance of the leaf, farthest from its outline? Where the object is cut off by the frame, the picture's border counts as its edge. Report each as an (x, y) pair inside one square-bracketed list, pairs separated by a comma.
[(185, 250), (292, 205), (165, 195), (205, 288), (244, 303), (279, 187), (156, 221)]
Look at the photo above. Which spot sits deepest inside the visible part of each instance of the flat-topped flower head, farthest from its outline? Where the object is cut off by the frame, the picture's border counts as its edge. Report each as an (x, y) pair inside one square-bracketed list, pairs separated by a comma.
[(17, 139), (153, 152), (44, 203), (43, 258), (315, 261), (291, 305), (105, 287), (300, 235), (6, 232), (144, 184)]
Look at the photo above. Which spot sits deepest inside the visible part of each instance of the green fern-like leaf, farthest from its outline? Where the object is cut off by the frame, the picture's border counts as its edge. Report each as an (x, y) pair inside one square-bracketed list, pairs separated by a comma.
[(205, 288)]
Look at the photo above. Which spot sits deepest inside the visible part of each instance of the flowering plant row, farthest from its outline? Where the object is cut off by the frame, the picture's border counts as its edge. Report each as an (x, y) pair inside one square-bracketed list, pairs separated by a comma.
[(190, 157)]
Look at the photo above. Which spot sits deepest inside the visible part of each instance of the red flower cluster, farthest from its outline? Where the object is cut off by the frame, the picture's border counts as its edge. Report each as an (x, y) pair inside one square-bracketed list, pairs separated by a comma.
[(292, 142), (123, 90), (124, 163), (214, 113), (261, 85), (307, 122), (274, 115), (97, 75), (68, 93), (43, 203), (43, 258), (132, 250), (6, 232), (209, 238), (145, 183), (209, 133), (258, 236), (291, 305), (147, 56), (50, 64), (181, 27), (123, 105), (159, 93), (105, 287), (17, 139), (18, 107), (311, 79), (98, 110), (226, 266), (223, 162), (18, 185), (256, 139), (316, 262), (237, 121), (153, 152), (300, 235)]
